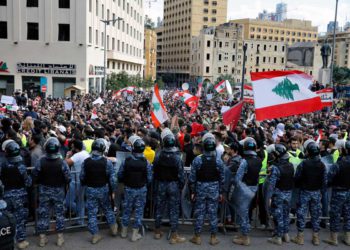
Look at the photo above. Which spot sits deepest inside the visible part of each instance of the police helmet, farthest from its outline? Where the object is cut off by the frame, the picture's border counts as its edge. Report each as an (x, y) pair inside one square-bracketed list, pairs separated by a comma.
[(249, 144), (280, 150), (3, 204), (312, 149), (52, 147), (138, 146), (209, 142), (169, 141), (13, 152), (98, 147), (347, 148)]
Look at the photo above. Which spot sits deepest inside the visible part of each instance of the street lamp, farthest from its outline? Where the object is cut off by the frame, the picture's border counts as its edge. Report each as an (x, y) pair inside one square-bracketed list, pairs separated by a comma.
[(245, 47), (106, 22), (333, 49)]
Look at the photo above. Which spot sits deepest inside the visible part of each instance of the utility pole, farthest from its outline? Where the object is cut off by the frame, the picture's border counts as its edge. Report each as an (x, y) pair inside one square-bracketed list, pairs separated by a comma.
[(106, 22), (333, 47), (245, 47)]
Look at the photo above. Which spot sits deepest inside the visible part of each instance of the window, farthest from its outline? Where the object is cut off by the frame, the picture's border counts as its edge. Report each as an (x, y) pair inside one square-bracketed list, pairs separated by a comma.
[(220, 44), (220, 57), (219, 70), (208, 56), (2, 2), (63, 32), (213, 11), (32, 3), (64, 4), (107, 42), (90, 5), (275, 60), (113, 17), (3, 30), (103, 11), (102, 39), (213, 19), (233, 58), (207, 69), (96, 37), (205, 19), (282, 60), (205, 11), (113, 65), (275, 47), (90, 35), (33, 31), (208, 44), (113, 43)]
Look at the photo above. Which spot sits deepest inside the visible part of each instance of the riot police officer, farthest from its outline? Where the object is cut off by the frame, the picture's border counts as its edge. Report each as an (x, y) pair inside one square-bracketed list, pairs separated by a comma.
[(206, 182), (135, 173), (14, 176), (7, 224), (248, 173), (311, 178), (338, 178), (169, 175), (53, 175), (99, 177), (281, 183)]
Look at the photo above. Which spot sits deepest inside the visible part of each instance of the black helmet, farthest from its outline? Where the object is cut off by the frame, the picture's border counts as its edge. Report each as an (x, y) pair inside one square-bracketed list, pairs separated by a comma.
[(312, 149), (209, 145), (13, 151), (3, 204), (280, 150), (249, 144), (139, 146), (169, 141), (98, 147), (347, 148), (52, 147)]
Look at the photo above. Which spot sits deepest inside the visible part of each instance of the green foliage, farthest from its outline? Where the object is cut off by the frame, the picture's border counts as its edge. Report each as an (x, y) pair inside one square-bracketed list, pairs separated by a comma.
[(160, 83), (227, 77), (122, 80), (149, 24), (341, 74), (285, 89)]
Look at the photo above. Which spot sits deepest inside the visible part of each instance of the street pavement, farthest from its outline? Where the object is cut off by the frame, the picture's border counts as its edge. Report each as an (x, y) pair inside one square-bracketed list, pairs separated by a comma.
[(80, 240)]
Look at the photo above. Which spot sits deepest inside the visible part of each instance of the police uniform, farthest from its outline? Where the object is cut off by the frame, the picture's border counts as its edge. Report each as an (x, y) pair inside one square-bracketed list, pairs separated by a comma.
[(281, 183), (168, 173), (7, 224), (338, 178), (311, 178), (135, 173), (98, 175), (295, 157), (207, 181)]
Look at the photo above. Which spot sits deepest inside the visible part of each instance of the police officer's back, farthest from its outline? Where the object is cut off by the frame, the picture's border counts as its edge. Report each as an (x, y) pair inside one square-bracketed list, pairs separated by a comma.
[(7, 225)]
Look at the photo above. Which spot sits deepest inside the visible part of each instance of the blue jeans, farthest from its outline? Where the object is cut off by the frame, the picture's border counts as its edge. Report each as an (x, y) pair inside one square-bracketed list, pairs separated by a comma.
[(75, 200)]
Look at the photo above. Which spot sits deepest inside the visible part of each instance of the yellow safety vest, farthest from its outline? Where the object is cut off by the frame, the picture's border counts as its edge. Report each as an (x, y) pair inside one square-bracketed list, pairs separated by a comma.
[(263, 170), (24, 141), (336, 155), (88, 143), (295, 160)]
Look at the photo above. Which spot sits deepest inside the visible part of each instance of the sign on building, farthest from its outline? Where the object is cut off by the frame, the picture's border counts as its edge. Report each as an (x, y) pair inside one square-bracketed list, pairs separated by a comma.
[(44, 68)]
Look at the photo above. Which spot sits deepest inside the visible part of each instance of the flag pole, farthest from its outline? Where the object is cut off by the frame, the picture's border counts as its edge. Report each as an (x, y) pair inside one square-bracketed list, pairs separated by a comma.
[(245, 46), (333, 49)]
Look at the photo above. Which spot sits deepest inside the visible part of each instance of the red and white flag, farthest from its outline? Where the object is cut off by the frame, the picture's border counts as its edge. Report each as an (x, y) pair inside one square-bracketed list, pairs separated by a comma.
[(94, 114), (118, 94), (283, 93), (220, 87), (248, 95), (191, 101), (326, 96), (200, 88), (231, 116), (158, 115)]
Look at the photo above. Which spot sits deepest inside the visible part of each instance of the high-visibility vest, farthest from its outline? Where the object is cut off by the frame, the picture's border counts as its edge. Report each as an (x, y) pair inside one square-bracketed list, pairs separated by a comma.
[(336, 155), (24, 141), (294, 159), (88, 143), (263, 170)]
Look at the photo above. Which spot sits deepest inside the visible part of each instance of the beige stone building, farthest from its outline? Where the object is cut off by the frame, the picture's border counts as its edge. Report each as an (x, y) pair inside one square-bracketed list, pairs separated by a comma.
[(150, 54), (342, 48), (219, 51), (289, 31), (184, 19)]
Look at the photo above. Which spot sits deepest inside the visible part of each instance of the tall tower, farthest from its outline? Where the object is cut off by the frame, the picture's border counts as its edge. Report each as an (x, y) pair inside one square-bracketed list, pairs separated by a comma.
[(182, 20), (281, 12)]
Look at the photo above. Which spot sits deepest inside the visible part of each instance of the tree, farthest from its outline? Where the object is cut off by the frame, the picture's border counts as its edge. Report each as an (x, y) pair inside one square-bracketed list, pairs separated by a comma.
[(341, 74), (227, 77), (149, 24), (118, 81), (148, 82)]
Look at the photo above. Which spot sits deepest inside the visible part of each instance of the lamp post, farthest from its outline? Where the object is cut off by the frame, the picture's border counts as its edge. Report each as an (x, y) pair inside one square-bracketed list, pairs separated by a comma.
[(333, 47), (106, 22), (245, 47)]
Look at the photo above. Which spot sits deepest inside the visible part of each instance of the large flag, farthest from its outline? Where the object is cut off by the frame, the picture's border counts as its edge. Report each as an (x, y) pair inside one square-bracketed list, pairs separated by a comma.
[(283, 93), (231, 116), (248, 95), (191, 101), (220, 87), (158, 115), (129, 90), (326, 96)]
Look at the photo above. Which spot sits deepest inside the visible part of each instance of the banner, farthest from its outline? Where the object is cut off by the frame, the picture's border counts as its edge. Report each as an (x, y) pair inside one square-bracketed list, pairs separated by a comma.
[(326, 96)]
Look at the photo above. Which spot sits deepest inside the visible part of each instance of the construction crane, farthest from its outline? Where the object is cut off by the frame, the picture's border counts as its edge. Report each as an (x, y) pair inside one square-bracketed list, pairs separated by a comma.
[(269, 16)]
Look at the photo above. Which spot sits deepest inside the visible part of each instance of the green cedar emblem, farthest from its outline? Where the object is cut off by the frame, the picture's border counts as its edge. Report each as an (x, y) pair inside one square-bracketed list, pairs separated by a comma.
[(156, 106), (285, 89)]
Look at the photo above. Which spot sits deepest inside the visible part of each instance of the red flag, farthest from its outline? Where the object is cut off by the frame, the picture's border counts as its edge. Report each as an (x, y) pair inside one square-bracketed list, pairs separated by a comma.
[(231, 116)]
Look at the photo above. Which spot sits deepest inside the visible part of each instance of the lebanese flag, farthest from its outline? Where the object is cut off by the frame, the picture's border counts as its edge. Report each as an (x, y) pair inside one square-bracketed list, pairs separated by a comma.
[(158, 115), (326, 96), (94, 114), (231, 116), (191, 101), (129, 90), (248, 95), (220, 87), (283, 93), (200, 88)]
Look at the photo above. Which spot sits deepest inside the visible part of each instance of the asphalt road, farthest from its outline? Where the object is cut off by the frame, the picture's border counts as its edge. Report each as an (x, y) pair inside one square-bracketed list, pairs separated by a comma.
[(80, 240)]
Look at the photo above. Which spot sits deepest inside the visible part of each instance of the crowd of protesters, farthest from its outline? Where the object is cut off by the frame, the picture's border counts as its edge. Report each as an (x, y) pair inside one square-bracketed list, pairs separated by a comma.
[(87, 134)]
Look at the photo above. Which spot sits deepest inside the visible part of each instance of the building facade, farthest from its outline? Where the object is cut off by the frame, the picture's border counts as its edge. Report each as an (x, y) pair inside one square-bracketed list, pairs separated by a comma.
[(150, 54), (61, 43), (184, 19), (217, 52), (342, 48), (289, 31), (330, 27), (281, 12)]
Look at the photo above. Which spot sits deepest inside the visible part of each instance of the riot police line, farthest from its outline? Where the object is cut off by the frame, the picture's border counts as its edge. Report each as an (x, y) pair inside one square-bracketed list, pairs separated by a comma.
[(193, 196)]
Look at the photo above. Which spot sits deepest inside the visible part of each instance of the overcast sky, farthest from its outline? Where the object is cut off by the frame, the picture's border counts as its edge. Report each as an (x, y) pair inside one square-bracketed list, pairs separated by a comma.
[(320, 12)]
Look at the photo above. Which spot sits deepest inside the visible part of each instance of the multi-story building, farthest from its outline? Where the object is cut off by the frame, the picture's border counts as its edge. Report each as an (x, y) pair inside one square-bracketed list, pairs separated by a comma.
[(342, 47), (281, 12), (61, 43), (289, 31), (265, 15), (159, 32), (219, 51), (330, 27), (184, 19), (150, 53)]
